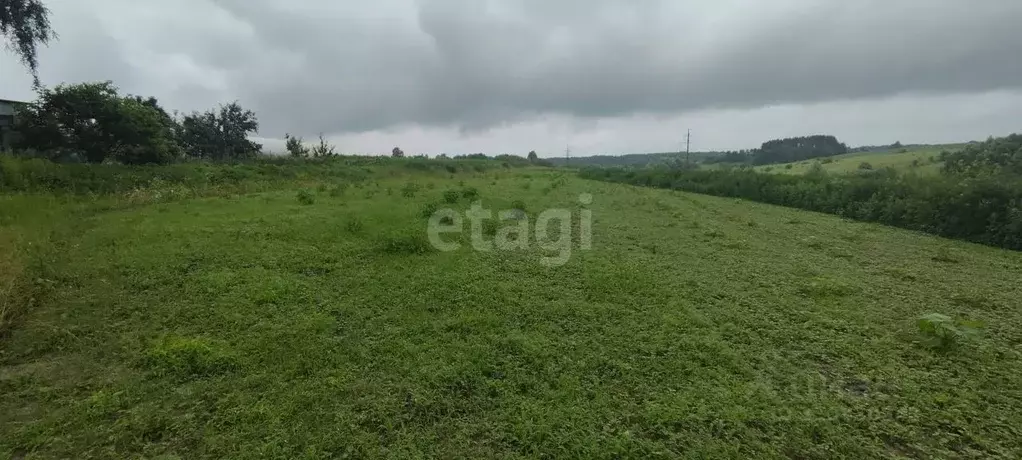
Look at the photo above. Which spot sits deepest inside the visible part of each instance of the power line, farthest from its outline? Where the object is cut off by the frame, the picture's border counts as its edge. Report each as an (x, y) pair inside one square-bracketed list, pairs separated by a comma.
[(688, 142)]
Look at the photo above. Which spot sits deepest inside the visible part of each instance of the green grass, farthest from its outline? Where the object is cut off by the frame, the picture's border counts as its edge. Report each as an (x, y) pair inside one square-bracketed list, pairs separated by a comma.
[(922, 160), (270, 325)]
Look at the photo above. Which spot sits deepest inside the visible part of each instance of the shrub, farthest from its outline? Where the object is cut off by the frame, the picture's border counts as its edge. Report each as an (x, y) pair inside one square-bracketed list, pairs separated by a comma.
[(354, 226), (942, 333), (322, 149), (295, 147), (787, 166), (405, 244), (865, 166), (429, 210), (451, 196), (983, 209), (490, 227), (305, 197), (518, 204), (470, 193), (91, 122), (409, 190), (338, 190)]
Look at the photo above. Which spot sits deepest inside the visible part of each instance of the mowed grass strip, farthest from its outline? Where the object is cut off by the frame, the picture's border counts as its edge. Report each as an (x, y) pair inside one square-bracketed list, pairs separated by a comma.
[(311, 323)]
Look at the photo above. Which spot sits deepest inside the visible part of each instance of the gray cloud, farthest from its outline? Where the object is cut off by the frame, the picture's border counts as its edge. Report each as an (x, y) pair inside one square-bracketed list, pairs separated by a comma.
[(350, 67)]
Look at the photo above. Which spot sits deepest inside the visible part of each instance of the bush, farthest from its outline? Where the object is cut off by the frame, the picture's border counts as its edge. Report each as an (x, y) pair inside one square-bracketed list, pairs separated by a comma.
[(354, 226), (338, 190), (451, 196), (429, 210), (405, 244), (865, 166), (409, 190), (984, 209), (295, 146), (470, 193), (323, 149), (942, 333), (994, 156), (91, 122), (305, 197), (490, 227)]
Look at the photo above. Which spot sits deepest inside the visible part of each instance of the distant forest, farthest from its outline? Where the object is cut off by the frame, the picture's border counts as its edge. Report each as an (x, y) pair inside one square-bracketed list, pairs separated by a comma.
[(786, 150)]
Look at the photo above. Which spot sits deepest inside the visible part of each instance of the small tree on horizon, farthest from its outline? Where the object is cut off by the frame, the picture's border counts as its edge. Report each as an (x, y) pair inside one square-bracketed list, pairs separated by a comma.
[(221, 134), (397, 153), (533, 156), (295, 147), (322, 149)]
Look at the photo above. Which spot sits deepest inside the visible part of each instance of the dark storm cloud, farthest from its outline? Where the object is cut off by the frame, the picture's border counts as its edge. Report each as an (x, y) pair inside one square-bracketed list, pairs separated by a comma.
[(334, 67), (475, 63)]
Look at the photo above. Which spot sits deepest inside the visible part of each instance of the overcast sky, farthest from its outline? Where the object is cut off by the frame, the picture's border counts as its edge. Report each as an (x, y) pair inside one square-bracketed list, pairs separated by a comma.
[(605, 76)]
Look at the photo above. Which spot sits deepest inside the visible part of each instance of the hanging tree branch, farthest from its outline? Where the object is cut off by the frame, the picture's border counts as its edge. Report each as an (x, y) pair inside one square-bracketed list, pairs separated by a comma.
[(25, 24)]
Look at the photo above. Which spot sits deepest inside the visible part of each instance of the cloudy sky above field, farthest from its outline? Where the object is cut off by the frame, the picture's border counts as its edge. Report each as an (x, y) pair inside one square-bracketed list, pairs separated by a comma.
[(606, 76)]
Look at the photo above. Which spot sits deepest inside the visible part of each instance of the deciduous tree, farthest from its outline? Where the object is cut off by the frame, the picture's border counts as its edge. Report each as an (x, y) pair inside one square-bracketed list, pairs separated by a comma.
[(221, 134), (25, 24)]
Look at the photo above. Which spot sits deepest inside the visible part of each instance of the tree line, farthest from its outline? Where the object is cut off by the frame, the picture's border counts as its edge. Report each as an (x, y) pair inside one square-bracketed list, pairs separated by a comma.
[(94, 123), (794, 149), (977, 197), (787, 150)]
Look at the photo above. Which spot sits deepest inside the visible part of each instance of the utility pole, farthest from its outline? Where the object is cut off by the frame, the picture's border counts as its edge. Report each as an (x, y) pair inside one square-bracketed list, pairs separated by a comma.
[(688, 142)]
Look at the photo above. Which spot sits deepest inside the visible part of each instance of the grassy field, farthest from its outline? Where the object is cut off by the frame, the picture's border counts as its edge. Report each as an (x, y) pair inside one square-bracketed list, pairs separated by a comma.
[(922, 160), (313, 322)]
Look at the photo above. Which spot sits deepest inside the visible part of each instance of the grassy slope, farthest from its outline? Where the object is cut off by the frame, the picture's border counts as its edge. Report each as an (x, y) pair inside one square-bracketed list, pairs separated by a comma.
[(254, 326), (927, 157)]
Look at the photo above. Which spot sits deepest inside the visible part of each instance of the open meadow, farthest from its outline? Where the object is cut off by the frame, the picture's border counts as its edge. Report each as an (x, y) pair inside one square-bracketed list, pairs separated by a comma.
[(923, 160), (314, 319)]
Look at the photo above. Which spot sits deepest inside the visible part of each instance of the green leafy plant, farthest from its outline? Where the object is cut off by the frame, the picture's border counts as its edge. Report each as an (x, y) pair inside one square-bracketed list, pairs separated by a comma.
[(404, 244), (295, 147), (186, 357), (338, 190), (941, 332), (451, 196), (305, 197), (429, 210), (322, 149), (354, 226), (409, 190), (470, 193), (490, 227)]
